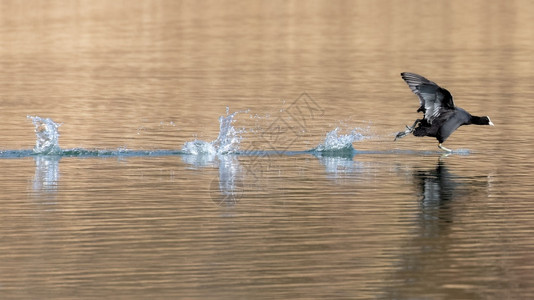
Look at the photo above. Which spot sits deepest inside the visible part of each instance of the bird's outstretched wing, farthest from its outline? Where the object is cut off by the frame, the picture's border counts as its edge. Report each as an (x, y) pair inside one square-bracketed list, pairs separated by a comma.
[(434, 99)]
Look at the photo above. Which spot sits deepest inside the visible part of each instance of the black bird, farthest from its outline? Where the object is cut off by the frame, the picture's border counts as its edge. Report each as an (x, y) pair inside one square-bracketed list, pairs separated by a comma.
[(441, 118)]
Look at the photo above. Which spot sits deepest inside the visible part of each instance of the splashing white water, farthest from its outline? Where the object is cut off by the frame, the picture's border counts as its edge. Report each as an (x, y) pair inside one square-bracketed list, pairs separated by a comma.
[(227, 142), (337, 142), (47, 136), (198, 147)]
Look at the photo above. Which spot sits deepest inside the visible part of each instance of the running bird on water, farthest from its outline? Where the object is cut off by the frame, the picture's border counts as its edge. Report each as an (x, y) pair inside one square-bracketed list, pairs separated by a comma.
[(441, 117)]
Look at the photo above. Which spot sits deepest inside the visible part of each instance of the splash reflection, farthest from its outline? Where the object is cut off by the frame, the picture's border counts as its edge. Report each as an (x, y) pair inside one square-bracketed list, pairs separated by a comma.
[(227, 189), (46, 178), (230, 181), (341, 167)]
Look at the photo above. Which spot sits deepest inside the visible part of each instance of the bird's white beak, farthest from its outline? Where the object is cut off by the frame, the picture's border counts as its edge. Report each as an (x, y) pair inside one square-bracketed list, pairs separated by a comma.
[(490, 122)]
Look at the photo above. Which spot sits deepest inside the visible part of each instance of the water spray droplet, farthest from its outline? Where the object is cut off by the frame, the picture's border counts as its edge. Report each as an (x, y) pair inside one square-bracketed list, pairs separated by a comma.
[(47, 136)]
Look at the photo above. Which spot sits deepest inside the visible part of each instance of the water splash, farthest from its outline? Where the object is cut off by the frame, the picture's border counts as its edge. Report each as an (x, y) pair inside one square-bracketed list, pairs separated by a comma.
[(227, 142), (337, 143), (47, 136), (198, 147), (229, 138)]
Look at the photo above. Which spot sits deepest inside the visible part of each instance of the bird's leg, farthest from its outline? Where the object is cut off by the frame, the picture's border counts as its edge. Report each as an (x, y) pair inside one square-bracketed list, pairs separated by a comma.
[(444, 148), (408, 130)]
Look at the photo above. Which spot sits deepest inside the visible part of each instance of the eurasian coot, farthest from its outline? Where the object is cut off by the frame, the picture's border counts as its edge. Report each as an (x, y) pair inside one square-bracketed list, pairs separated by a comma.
[(441, 118)]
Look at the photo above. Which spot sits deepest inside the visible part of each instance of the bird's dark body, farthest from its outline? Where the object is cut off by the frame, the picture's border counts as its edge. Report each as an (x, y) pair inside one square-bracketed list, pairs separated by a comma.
[(444, 125)]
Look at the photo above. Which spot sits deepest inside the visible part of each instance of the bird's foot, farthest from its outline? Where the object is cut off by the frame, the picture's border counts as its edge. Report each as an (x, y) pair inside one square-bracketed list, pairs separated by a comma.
[(444, 148), (444, 154), (404, 133)]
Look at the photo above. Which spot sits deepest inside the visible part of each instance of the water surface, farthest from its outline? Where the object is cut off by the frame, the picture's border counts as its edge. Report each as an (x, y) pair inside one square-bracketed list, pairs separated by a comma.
[(124, 209)]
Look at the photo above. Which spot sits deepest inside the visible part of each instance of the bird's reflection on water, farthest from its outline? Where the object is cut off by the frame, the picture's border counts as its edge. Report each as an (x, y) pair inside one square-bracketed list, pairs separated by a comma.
[(437, 188), (422, 269)]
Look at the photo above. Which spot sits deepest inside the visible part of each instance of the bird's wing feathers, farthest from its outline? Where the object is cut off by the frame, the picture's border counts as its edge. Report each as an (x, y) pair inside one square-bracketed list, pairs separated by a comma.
[(413, 81), (432, 97)]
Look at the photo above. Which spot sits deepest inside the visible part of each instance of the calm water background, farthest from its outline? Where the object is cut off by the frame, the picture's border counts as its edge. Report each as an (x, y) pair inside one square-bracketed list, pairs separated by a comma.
[(398, 222)]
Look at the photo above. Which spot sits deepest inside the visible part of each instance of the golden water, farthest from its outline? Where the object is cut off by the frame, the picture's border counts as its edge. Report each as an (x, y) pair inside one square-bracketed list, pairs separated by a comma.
[(398, 224)]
